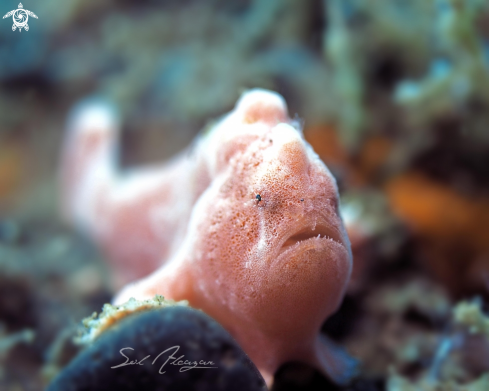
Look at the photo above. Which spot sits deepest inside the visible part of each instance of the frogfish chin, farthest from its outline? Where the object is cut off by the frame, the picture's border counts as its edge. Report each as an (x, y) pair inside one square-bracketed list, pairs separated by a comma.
[(244, 225)]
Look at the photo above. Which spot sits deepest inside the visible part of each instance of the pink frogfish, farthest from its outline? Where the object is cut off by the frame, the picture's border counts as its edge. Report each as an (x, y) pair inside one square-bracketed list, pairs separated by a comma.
[(244, 225)]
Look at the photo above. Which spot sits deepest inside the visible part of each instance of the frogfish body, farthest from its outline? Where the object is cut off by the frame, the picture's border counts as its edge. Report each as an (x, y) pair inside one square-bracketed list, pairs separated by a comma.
[(244, 225)]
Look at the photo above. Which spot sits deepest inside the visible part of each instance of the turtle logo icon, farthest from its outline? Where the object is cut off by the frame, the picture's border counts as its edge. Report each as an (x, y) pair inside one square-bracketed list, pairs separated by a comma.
[(20, 17)]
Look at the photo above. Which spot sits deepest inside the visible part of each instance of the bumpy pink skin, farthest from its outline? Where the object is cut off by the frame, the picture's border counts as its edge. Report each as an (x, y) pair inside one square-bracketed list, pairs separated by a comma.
[(138, 219), (269, 271)]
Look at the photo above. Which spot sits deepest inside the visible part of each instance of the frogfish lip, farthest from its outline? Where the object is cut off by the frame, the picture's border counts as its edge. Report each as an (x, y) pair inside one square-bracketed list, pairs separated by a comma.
[(308, 236)]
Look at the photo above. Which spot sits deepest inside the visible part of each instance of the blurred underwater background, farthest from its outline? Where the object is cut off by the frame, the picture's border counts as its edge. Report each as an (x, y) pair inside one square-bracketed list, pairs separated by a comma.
[(393, 96)]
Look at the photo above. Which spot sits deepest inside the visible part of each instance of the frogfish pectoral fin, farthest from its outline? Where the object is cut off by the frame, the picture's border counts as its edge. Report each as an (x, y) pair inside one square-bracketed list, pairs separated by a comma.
[(174, 282), (268, 377), (334, 361)]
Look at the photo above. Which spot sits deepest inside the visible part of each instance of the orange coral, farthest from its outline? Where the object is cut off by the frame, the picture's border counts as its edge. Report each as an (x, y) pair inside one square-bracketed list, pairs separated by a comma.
[(326, 143), (454, 228), (436, 211), (10, 169)]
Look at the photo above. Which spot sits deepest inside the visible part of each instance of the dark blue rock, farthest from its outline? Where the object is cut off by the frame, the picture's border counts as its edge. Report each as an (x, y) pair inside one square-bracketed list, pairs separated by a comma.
[(198, 337)]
